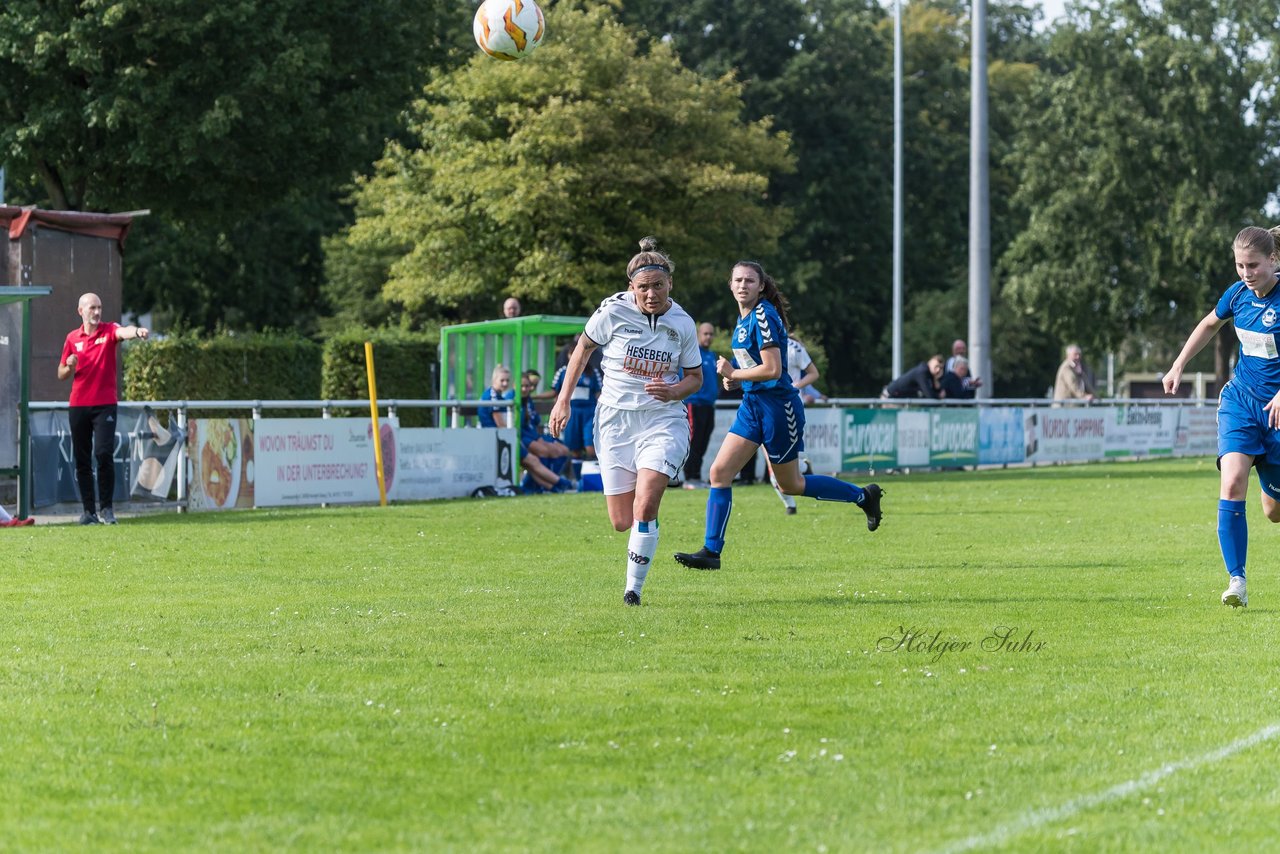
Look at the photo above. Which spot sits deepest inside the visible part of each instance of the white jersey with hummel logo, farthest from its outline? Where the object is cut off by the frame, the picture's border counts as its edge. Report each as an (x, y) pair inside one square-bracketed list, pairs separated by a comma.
[(638, 348)]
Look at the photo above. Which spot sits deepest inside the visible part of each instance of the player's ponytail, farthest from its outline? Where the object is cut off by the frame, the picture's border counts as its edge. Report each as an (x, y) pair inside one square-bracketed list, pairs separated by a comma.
[(769, 290), (650, 258)]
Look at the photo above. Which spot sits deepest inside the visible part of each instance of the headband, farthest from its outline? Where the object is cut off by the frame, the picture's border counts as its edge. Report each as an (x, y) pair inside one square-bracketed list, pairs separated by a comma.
[(638, 270)]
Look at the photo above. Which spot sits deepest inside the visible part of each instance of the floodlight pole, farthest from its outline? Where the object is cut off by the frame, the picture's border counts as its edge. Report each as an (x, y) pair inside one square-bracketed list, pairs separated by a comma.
[(979, 208), (897, 189)]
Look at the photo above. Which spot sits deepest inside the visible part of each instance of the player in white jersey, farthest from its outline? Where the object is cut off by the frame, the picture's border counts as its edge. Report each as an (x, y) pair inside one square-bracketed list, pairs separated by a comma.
[(642, 431), (803, 373)]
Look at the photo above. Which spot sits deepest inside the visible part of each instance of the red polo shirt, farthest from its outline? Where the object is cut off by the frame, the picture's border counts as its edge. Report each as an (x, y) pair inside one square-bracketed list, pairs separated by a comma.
[(94, 382)]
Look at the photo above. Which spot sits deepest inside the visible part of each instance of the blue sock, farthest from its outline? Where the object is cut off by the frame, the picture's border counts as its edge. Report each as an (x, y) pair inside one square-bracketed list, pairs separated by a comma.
[(825, 488), (1233, 535), (719, 503)]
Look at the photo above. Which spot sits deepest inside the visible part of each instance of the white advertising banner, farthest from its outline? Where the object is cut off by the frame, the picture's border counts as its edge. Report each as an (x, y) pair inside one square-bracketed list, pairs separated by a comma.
[(823, 443), (1197, 431), (1140, 431), (913, 438), (301, 461), (439, 463)]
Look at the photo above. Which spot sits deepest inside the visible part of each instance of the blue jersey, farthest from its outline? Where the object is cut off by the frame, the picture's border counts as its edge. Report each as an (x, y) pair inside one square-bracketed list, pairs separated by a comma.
[(706, 396), (1257, 322), (585, 392), (486, 412), (530, 421), (761, 329)]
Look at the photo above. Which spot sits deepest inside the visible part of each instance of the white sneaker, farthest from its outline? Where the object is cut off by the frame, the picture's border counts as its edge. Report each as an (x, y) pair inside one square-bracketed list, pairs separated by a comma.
[(1235, 594)]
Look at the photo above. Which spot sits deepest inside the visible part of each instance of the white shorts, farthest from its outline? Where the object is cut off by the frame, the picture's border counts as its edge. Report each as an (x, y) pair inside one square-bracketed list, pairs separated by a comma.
[(628, 440)]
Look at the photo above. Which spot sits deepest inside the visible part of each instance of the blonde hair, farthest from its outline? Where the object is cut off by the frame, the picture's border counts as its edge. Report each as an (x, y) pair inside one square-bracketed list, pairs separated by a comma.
[(1261, 239), (498, 370)]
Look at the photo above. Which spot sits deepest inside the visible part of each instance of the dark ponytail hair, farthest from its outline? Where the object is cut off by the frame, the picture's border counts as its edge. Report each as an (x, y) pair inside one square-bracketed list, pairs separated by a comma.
[(769, 290)]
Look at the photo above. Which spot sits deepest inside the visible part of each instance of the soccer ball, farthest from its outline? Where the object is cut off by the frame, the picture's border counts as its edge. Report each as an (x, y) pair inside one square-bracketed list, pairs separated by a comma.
[(509, 29)]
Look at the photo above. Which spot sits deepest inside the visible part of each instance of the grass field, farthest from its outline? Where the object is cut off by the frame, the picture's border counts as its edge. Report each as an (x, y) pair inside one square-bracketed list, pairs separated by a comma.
[(463, 676)]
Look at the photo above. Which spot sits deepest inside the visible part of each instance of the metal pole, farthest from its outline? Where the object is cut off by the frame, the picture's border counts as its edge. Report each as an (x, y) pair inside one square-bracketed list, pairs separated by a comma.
[(897, 189), (979, 208)]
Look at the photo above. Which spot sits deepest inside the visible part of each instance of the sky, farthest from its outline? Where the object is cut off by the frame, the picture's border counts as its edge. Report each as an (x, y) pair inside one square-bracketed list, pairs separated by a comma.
[(1052, 8)]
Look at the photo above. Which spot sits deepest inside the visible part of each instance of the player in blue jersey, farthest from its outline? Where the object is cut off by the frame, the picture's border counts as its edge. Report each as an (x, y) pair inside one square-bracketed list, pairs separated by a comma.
[(579, 432), (770, 415), (499, 389), (1249, 406)]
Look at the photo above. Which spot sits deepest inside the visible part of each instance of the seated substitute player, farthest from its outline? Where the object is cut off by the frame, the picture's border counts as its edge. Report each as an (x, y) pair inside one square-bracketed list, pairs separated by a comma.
[(499, 389), (579, 431), (642, 433), (1249, 405), (770, 415), (542, 456)]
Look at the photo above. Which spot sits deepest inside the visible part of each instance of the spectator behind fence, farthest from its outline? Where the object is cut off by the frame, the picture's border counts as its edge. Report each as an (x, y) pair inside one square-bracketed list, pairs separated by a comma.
[(958, 349), (956, 382), (924, 380), (1074, 381), (89, 361), (511, 308), (499, 389)]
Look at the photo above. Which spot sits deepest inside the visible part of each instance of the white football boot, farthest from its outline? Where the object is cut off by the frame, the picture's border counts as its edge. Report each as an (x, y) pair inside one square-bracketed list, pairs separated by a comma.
[(1235, 594)]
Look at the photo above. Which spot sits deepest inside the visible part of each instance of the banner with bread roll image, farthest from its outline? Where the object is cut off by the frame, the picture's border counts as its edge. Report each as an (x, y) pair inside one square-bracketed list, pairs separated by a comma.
[(154, 453)]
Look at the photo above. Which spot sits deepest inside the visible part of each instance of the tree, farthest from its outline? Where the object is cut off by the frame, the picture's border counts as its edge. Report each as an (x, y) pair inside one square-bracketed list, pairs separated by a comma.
[(537, 178), (1156, 142), (216, 117)]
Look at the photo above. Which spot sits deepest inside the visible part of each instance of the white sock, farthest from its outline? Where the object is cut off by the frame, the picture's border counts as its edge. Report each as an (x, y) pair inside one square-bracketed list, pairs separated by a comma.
[(641, 547), (4, 515)]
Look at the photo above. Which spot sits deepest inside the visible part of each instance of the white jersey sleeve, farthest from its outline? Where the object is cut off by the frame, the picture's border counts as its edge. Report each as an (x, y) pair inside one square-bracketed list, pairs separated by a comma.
[(798, 360), (638, 348)]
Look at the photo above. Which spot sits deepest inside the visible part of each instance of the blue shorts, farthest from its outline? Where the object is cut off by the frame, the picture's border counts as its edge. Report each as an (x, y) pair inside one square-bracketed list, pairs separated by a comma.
[(1243, 428), (777, 423), (579, 430)]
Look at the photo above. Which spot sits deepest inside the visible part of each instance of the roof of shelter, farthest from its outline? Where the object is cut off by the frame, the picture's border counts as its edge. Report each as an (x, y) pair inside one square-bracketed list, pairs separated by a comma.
[(111, 226), (533, 324), (11, 293)]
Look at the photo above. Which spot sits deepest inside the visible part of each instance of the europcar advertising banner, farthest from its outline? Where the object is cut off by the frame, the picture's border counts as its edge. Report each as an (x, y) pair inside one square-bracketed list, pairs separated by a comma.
[(870, 439), (953, 437)]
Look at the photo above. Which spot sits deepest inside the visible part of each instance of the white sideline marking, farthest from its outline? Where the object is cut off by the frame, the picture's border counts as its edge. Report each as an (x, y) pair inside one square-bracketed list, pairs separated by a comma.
[(1035, 819)]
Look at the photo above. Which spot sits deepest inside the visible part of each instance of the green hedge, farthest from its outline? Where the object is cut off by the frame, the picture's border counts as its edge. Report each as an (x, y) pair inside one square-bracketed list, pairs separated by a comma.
[(405, 365), (250, 366)]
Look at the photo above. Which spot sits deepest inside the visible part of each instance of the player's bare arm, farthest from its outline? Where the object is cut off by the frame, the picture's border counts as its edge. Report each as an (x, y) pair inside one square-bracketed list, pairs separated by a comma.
[(1201, 335)]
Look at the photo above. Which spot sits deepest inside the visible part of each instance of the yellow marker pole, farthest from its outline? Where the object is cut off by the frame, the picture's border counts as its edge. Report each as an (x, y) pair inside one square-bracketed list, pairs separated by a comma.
[(373, 416)]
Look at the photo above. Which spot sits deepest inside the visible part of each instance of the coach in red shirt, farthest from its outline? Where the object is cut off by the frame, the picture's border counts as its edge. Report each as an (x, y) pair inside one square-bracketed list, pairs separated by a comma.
[(89, 360)]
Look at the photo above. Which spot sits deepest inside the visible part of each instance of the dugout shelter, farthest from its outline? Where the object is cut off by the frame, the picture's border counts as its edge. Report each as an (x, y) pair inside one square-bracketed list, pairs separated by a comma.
[(15, 387), (470, 351)]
